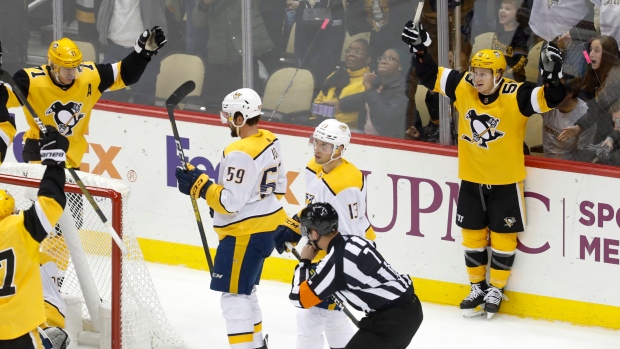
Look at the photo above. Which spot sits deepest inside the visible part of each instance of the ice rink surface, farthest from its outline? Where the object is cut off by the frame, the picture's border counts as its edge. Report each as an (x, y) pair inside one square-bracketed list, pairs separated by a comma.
[(194, 312)]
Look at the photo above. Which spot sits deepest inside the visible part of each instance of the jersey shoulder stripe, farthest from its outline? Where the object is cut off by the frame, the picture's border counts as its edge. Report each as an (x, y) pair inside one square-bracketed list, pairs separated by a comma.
[(344, 177), (254, 145)]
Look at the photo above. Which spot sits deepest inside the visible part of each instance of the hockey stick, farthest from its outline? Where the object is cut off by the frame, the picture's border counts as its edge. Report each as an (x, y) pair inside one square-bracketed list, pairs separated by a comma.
[(418, 13), (171, 103), (71, 170), (334, 297)]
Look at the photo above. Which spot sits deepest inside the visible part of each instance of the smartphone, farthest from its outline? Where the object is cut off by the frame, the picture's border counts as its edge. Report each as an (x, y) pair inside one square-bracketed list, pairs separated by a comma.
[(323, 110)]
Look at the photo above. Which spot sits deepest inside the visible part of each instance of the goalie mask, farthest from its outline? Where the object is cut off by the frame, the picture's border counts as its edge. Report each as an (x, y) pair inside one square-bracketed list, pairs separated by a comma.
[(333, 132), (65, 60), (245, 101), (7, 204), (321, 217)]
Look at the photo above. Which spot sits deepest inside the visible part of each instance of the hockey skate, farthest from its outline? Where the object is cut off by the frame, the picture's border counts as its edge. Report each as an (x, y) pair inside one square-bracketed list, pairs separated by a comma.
[(265, 342), (493, 300), (473, 305)]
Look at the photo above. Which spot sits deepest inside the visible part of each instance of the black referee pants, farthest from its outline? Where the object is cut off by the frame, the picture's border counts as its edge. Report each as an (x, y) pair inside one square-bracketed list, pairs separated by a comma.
[(391, 328)]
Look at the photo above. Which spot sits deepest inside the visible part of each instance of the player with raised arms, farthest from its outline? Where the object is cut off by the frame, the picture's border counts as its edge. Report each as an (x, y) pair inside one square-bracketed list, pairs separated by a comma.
[(493, 112)]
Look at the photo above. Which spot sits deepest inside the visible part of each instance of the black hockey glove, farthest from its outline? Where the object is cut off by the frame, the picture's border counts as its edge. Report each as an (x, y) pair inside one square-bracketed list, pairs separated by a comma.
[(416, 37), (551, 63), (150, 41), (287, 232), (193, 181), (4, 95), (54, 147)]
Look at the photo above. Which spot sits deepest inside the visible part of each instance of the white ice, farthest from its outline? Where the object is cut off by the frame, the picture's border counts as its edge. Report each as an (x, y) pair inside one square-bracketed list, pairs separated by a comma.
[(194, 312)]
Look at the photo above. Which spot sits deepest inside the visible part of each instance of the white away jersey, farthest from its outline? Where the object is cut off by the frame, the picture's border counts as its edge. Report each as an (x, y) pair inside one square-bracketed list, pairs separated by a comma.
[(250, 177), (344, 188)]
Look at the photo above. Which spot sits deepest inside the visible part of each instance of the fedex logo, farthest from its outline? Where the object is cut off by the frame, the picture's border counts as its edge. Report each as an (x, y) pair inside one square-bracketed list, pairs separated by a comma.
[(173, 161), (105, 157)]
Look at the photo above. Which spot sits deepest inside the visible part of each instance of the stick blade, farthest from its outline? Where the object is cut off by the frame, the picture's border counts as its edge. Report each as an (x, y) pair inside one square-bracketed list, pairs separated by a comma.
[(177, 96)]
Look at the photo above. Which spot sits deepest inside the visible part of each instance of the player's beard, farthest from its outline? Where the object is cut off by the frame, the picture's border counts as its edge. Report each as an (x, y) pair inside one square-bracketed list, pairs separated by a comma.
[(233, 131)]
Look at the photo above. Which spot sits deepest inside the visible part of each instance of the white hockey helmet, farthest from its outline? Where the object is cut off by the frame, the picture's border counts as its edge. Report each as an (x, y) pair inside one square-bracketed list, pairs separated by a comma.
[(334, 132), (245, 101)]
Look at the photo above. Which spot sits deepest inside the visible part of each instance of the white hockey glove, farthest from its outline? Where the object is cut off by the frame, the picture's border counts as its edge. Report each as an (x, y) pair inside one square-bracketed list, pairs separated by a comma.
[(416, 37), (54, 148), (59, 337), (551, 63), (150, 41)]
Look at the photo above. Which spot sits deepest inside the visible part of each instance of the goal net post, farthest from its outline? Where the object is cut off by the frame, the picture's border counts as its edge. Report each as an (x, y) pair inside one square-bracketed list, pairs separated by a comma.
[(92, 270)]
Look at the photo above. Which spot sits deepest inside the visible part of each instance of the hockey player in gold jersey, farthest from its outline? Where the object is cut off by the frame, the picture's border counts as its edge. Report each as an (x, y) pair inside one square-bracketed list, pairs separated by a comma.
[(7, 121), (493, 113), (21, 291), (247, 210), (64, 91), (329, 178)]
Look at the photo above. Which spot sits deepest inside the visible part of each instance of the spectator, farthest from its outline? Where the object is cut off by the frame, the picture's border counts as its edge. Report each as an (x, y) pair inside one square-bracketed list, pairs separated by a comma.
[(196, 39), (315, 48), (601, 87), (511, 39), (224, 66), (342, 83), (565, 115), (14, 35), (383, 101), (383, 19), (610, 10), (119, 22)]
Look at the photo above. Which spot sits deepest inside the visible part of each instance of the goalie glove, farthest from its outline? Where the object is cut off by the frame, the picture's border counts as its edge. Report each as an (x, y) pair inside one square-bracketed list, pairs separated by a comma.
[(193, 181), (551, 63), (416, 37), (53, 147), (150, 41), (287, 232)]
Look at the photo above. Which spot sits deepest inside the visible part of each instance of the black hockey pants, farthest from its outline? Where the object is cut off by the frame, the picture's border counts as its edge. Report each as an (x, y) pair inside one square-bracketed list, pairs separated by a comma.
[(391, 328)]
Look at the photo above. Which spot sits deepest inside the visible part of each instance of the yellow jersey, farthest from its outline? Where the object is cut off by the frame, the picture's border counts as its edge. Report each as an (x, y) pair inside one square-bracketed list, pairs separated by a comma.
[(68, 107), (491, 129), (21, 291)]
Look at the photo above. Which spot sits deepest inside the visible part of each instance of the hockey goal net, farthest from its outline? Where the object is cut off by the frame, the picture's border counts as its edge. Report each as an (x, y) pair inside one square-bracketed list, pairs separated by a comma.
[(120, 282)]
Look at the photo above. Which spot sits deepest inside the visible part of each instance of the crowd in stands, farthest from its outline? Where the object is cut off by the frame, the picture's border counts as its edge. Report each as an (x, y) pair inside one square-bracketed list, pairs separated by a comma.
[(358, 63)]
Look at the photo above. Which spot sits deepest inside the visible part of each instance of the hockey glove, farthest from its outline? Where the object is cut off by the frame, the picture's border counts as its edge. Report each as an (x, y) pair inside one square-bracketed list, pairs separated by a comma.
[(287, 232), (551, 63), (58, 337), (150, 41), (54, 148), (193, 181), (416, 37)]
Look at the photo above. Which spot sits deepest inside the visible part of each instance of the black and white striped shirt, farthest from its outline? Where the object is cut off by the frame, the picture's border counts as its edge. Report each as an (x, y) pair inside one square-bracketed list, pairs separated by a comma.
[(355, 271)]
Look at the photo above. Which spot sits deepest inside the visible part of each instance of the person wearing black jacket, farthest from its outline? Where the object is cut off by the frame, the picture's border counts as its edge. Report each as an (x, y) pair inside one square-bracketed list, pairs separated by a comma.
[(383, 105)]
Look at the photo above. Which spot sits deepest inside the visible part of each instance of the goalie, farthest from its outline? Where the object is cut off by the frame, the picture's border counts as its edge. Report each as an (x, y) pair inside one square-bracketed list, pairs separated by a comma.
[(21, 291)]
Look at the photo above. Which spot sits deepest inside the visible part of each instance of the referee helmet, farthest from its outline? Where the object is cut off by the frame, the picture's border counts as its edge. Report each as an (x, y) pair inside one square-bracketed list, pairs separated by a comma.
[(321, 217)]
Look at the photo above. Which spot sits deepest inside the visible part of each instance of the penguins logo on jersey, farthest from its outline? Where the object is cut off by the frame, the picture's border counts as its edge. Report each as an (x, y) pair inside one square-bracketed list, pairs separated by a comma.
[(483, 127), (553, 2), (66, 116)]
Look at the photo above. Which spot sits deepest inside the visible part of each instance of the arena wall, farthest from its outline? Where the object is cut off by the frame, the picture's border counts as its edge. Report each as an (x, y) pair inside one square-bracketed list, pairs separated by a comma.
[(567, 259)]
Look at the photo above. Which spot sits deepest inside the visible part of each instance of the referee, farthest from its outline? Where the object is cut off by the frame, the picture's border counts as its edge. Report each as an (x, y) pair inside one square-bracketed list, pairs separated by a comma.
[(354, 269)]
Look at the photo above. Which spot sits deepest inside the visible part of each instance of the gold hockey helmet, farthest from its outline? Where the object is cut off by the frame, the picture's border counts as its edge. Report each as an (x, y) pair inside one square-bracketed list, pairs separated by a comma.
[(65, 58), (489, 59), (7, 204)]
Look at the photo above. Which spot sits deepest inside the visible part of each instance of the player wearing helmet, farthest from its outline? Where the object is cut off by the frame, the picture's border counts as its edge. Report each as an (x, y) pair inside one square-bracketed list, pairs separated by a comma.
[(22, 308), (329, 178), (246, 213), (493, 113), (357, 272), (64, 91)]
